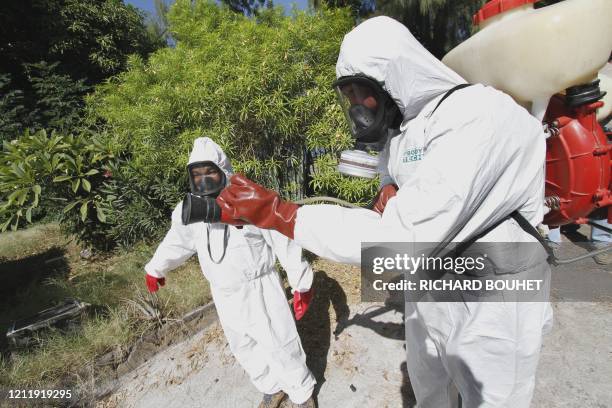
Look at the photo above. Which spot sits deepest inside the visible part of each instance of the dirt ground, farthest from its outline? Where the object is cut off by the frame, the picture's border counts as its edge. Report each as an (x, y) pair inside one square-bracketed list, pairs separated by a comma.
[(356, 352)]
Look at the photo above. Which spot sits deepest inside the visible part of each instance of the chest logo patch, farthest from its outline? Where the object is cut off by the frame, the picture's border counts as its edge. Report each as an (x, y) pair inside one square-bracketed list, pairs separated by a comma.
[(413, 154)]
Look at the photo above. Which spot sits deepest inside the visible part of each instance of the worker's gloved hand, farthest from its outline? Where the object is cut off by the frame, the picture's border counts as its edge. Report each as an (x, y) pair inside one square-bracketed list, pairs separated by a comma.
[(248, 201), (383, 196), (301, 301), (152, 282)]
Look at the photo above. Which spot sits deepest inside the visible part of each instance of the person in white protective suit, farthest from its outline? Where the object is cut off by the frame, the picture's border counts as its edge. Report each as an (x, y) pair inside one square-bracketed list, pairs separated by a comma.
[(462, 165), (246, 289)]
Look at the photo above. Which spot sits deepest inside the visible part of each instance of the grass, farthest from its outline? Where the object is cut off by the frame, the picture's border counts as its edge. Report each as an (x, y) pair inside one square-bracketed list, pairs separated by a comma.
[(40, 267)]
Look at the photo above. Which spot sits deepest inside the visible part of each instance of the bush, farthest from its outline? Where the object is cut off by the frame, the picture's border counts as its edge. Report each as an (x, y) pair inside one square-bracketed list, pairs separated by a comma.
[(99, 197), (261, 88), (141, 208), (11, 109), (65, 170)]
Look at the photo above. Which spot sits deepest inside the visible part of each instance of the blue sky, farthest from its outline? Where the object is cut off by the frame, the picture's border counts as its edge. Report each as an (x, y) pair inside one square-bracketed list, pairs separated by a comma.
[(149, 5)]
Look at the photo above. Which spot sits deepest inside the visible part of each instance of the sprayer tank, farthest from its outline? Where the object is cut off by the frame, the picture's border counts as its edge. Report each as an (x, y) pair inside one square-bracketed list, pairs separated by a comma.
[(532, 54)]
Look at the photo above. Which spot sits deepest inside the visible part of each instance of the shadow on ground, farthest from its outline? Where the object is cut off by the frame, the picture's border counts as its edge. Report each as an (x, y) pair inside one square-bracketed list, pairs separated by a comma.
[(24, 290), (318, 326), (315, 328)]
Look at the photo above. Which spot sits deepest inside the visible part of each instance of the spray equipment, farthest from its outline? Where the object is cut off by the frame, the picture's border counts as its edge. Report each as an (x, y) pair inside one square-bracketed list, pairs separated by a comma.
[(548, 59), (532, 54), (577, 157)]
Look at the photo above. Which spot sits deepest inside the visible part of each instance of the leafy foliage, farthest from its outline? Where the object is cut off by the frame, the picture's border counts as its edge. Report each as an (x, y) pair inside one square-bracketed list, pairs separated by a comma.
[(141, 208), (246, 7), (55, 102), (11, 108), (52, 51), (359, 8), (65, 169), (58, 98), (438, 24), (90, 38), (259, 87)]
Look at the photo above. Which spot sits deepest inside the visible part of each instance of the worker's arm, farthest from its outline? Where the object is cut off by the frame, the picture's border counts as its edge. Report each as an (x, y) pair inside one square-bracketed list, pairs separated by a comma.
[(460, 166), (178, 246), (289, 254), (474, 161)]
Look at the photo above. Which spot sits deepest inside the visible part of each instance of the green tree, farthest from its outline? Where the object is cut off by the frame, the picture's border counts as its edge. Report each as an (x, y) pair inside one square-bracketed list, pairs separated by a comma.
[(158, 26), (90, 38), (55, 101), (246, 7), (57, 98), (359, 8), (11, 109), (260, 87), (53, 50), (438, 24)]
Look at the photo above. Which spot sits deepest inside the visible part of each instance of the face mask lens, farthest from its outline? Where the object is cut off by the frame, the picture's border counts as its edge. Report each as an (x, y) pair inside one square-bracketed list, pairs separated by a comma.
[(360, 104), (206, 179)]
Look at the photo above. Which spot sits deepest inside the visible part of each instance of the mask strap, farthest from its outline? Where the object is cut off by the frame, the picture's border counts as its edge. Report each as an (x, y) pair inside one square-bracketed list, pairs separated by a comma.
[(225, 240)]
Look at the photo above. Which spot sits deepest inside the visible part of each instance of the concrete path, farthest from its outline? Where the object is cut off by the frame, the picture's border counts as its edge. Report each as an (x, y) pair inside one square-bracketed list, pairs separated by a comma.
[(363, 365)]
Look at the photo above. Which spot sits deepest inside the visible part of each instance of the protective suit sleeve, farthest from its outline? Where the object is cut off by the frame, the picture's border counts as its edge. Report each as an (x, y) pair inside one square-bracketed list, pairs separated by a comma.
[(177, 246), (437, 200), (289, 254)]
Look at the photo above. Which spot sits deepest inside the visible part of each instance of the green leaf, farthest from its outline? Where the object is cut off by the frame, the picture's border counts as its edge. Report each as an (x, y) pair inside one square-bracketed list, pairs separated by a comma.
[(18, 170), (84, 210), (70, 206), (92, 172), (14, 196), (75, 184), (86, 185), (100, 214), (61, 178), (18, 196), (29, 215), (5, 224)]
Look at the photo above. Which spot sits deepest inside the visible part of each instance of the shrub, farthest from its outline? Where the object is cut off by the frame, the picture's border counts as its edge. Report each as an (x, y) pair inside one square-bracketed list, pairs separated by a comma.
[(260, 87), (64, 169)]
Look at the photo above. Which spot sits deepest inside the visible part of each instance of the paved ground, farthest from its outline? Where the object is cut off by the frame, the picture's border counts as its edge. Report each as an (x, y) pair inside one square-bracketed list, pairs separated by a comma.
[(363, 365)]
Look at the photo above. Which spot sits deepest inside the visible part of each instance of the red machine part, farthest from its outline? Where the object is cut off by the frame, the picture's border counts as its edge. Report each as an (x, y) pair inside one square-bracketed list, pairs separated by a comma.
[(578, 161), (495, 7)]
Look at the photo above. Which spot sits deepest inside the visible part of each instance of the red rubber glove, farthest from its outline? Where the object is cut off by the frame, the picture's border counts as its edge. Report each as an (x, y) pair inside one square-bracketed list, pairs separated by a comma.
[(301, 301), (152, 282), (383, 196), (227, 219), (246, 200)]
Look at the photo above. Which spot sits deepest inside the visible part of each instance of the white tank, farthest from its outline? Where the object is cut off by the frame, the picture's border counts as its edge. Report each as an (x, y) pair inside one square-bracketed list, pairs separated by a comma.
[(531, 54)]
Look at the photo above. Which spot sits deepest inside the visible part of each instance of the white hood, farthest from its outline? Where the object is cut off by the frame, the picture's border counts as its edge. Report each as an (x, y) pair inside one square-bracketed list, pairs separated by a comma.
[(384, 50), (205, 149)]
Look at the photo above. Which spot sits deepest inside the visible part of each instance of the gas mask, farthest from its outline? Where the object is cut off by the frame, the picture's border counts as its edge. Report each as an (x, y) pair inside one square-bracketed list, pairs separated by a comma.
[(372, 116), (206, 181)]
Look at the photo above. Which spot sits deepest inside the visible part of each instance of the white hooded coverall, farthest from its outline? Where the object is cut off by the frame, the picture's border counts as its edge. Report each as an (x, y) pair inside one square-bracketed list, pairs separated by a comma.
[(460, 170), (246, 289)]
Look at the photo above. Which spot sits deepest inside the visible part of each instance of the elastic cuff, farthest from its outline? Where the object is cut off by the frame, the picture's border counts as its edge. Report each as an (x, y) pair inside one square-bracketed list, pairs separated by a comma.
[(301, 395), (151, 271)]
